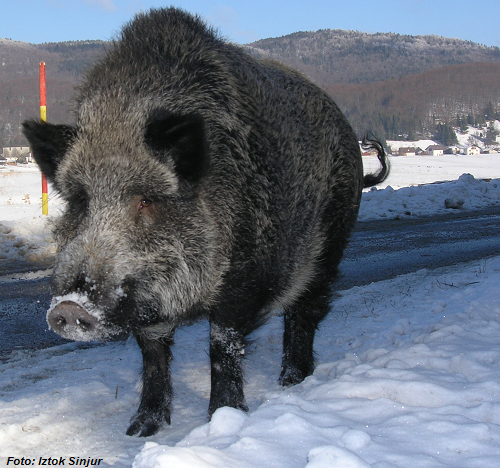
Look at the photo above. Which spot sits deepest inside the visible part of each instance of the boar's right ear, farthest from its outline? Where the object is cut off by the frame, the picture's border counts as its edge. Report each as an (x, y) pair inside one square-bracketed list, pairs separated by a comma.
[(49, 144), (181, 138)]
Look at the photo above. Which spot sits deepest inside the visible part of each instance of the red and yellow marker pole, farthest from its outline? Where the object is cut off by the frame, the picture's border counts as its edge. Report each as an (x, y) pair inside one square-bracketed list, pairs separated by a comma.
[(43, 117)]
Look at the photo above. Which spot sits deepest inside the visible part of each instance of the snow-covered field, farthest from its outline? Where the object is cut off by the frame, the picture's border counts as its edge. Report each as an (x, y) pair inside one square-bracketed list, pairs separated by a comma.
[(408, 369)]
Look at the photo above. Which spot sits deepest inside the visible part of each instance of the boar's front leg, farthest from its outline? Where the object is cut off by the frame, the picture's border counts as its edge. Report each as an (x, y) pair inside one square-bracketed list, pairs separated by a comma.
[(226, 351), (156, 398)]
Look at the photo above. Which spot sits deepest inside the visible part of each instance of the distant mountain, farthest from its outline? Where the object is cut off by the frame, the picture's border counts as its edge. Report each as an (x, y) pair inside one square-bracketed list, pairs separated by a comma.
[(66, 60), (338, 56), (375, 78)]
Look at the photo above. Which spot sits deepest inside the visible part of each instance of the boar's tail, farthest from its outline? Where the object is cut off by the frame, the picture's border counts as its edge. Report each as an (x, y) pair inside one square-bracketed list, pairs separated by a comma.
[(369, 180)]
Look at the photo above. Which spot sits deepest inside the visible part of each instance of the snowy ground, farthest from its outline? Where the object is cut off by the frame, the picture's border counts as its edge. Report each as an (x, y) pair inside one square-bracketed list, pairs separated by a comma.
[(408, 369)]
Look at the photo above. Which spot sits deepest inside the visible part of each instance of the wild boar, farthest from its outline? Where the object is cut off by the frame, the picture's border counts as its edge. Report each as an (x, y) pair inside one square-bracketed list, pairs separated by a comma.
[(199, 182)]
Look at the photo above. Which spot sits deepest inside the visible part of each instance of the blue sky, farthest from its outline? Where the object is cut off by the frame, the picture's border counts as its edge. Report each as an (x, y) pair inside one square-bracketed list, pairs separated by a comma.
[(244, 21)]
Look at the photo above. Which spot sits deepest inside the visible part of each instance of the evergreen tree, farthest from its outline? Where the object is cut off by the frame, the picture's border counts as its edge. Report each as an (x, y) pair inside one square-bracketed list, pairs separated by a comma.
[(446, 135), (489, 112), (461, 123), (480, 119), (491, 134)]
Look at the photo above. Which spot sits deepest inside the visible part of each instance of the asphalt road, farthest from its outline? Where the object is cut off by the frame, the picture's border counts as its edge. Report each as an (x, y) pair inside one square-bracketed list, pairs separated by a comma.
[(378, 250), (381, 250)]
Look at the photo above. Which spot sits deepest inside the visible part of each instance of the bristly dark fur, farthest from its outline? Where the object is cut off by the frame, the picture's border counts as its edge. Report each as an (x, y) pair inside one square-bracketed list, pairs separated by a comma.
[(199, 182)]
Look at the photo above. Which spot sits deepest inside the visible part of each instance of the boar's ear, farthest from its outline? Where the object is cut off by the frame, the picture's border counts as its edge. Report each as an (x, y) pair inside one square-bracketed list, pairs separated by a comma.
[(49, 144), (181, 138)]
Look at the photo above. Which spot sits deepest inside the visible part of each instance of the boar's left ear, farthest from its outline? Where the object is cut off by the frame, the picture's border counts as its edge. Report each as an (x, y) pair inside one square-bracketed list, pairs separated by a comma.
[(49, 144), (182, 138)]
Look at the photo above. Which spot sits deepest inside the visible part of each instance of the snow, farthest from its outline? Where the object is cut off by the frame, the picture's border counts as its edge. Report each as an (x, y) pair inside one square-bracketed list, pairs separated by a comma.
[(468, 192), (24, 233), (408, 369), (415, 170)]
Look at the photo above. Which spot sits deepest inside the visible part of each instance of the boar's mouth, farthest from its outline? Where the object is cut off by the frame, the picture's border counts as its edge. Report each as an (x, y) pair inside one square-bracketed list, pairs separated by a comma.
[(73, 317)]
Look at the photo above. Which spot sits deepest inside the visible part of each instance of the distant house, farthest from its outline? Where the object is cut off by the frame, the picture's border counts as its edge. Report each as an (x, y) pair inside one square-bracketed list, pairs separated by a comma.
[(454, 149), (435, 150), (13, 153), (472, 150), (372, 152), (406, 151), (367, 152)]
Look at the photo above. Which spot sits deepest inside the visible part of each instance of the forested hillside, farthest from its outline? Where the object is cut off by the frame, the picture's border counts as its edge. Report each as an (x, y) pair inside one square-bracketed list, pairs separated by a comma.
[(417, 106), (395, 85)]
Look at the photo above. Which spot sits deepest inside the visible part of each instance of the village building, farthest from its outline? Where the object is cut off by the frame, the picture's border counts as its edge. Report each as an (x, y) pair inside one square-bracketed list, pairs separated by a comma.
[(407, 151), (454, 149), (472, 150), (372, 152), (15, 154), (435, 150)]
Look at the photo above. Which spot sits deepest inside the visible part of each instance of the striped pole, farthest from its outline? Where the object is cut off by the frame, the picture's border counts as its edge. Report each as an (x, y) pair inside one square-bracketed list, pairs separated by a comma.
[(43, 118)]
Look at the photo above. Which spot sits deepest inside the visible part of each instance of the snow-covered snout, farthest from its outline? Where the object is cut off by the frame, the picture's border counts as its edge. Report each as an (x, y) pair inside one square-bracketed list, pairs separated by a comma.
[(70, 320)]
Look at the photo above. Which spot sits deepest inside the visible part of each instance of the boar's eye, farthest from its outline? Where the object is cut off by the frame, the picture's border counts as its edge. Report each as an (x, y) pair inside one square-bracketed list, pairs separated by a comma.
[(143, 206), (145, 203)]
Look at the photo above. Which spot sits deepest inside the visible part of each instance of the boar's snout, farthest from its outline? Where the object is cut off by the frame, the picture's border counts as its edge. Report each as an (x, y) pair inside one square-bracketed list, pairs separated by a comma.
[(72, 321)]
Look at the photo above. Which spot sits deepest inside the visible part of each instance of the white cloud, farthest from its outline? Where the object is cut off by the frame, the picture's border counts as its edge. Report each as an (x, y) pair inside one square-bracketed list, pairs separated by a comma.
[(107, 5)]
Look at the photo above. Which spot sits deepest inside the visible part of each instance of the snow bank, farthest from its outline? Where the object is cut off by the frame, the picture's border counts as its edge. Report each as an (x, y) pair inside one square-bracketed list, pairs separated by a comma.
[(25, 235), (422, 200), (407, 171), (21, 193), (26, 241)]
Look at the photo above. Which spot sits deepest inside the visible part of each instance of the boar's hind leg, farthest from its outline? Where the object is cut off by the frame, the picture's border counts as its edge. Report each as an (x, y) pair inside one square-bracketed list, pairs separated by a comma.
[(226, 351), (301, 322), (155, 406)]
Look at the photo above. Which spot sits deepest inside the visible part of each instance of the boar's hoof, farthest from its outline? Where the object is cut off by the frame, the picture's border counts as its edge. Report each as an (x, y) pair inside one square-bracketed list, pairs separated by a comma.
[(146, 429), (292, 376), (72, 321), (145, 425)]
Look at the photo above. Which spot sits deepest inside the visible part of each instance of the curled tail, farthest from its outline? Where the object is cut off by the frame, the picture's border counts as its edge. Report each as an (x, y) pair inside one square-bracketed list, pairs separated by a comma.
[(369, 180)]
